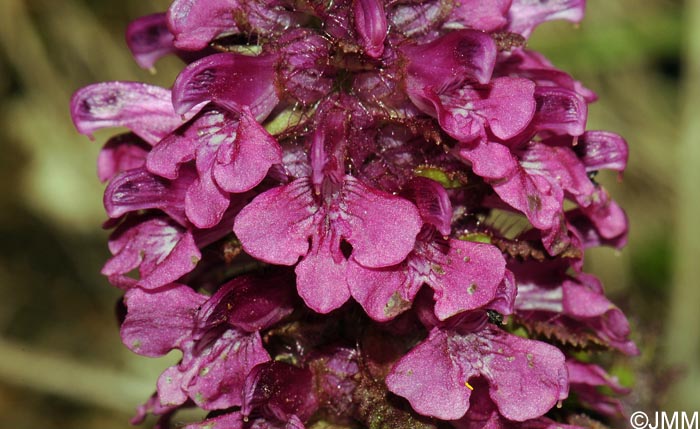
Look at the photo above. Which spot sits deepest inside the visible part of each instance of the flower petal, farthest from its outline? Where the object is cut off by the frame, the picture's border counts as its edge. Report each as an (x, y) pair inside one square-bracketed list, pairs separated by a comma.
[(242, 162), (534, 66), (526, 378), (588, 381), (371, 26), (460, 56), (506, 106), (137, 189), (593, 375), (279, 390), (610, 322), (275, 227), (321, 275), (208, 128), (195, 23), (504, 301), (205, 237), (588, 233), (144, 109), (525, 15), (464, 276), (479, 15), (229, 80), (214, 376), (483, 414), (561, 167), (122, 152), (205, 201), (490, 160), (430, 379), (149, 39), (529, 385), (383, 293), (170, 386), (602, 150), (380, 227), (249, 303), (162, 250), (201, 139), (158, 322), (559, 110), (607, 216), (469, 278), (573, 309), (222, 370), (532, 195), (432, 201)]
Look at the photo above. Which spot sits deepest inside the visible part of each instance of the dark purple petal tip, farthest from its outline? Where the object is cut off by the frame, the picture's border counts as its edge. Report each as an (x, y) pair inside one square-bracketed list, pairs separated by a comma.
[(149, 39), (145, 109), (229, 80)]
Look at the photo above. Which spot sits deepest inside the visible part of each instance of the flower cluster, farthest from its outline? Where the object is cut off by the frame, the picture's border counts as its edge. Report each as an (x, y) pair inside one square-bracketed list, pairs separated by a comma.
[(360, 213)]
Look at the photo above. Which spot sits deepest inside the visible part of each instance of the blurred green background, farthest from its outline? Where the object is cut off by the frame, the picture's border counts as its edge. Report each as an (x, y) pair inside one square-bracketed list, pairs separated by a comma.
[(61, 361)]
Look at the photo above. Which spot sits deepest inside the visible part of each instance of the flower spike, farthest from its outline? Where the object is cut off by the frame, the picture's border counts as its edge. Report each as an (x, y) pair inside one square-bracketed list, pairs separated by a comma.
[(361, 213)]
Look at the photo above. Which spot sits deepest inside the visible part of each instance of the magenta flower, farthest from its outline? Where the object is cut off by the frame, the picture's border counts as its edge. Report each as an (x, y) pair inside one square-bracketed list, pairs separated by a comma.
[(574, 308), (161, 250), (314, 216), (586, 381), (525, 378), (144, 109), (232, 154), (445, 265), (149, 39), (219, 337), (327, 209)]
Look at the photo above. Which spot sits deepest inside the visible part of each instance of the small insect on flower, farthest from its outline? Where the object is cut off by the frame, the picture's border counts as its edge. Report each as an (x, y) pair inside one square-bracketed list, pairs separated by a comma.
[(592, 175), (494, 317)]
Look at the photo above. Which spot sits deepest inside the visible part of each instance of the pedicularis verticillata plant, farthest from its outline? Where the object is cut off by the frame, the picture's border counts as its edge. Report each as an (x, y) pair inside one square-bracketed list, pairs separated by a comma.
[(351, 214)]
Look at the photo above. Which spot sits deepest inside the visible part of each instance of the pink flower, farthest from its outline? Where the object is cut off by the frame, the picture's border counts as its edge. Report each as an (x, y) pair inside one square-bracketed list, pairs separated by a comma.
[(219, 337), (525, 378), (327, 209)]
